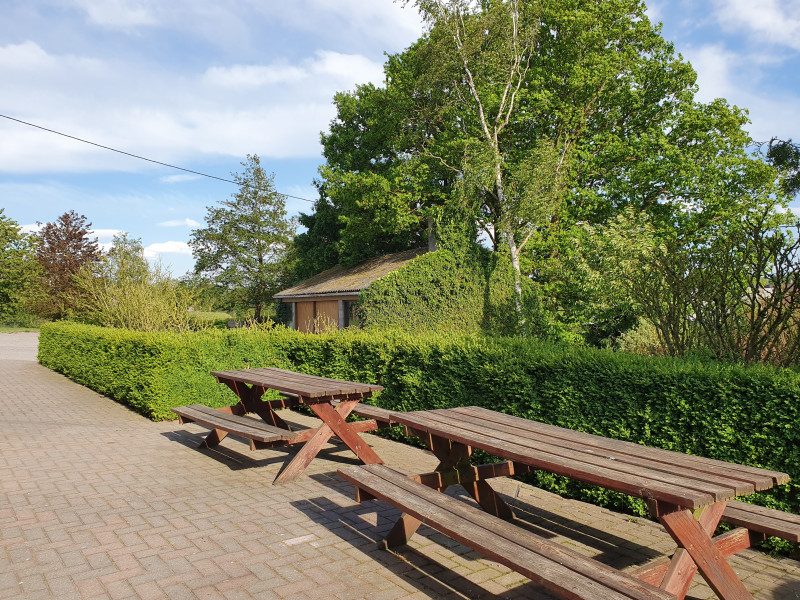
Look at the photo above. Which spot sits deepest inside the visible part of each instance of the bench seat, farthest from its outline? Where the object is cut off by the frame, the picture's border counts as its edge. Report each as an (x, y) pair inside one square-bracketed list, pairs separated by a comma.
[(560, 570), (246, 427), (768, 521)]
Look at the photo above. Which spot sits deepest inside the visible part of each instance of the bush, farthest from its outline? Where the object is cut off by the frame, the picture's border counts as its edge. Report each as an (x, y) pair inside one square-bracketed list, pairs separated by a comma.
[(743, 414)]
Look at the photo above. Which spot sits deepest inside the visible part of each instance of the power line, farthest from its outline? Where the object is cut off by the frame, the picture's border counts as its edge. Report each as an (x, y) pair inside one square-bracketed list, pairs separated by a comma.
[(72, 137)]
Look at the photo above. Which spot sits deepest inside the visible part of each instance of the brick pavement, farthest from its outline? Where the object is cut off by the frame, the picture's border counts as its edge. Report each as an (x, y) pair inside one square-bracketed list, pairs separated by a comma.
[(97, 502)]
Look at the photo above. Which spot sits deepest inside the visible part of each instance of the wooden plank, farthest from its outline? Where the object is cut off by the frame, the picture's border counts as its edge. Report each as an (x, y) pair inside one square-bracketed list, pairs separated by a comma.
[(729, 543), (603, 476), (235, 424), (755, 475), (764, 520), (558, 569), (719, 575), (335, 419), (542, 443), (309, 386), (682, 569), (373, 412), (333, 423), (519, 428)]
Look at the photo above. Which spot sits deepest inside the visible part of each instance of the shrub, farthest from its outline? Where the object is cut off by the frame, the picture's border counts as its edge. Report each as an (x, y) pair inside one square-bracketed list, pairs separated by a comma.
[(743, 414), (123, 290)]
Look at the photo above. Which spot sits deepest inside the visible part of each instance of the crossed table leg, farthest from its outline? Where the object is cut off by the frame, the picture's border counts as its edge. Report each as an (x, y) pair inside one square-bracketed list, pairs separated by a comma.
[(699, 552), (333, 419)]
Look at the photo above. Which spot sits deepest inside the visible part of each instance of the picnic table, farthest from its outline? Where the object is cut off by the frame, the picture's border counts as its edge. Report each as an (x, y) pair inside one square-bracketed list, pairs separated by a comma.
[(687, 494), (331, 400)]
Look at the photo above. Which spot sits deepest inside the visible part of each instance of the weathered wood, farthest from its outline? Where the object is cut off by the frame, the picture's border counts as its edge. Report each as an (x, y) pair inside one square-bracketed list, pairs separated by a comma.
[(757, 476), (385, 417), (767, 521), (309, 387), (558, 569), (656, 461), (682, 569), (719, 575), (729, 543), (441, 479), (335, 419), (234, 424), (333, 424), (637, 466), (519, 450)]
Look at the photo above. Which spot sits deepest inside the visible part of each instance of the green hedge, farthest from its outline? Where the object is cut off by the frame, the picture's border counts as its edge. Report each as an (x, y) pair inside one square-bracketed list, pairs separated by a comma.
[(743, 414)]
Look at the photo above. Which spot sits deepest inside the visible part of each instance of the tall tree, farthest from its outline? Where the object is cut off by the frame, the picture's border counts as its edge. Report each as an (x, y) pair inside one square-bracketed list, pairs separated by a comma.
[(65, 246), (244, 247), (19, 273)]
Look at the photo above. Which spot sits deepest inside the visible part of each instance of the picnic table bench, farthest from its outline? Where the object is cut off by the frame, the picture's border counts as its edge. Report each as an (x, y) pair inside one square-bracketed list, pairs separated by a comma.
[(551, 565), (331, 400), (688, 495)]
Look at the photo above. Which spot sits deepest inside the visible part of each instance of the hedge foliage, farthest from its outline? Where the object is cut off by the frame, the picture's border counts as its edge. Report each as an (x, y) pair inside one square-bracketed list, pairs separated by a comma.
[(743, 414), (450, 291)]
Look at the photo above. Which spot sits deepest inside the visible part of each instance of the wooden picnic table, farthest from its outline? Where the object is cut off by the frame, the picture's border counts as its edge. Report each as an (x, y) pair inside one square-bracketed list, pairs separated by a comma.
[(332, 400), (687, 494)]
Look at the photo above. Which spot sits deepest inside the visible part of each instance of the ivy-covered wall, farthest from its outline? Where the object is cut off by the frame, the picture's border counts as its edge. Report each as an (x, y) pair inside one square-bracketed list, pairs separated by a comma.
[(445, 291)]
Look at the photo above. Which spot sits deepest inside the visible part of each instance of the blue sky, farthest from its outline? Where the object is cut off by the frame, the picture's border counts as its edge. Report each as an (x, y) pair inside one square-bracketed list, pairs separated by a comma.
[(202, 83)]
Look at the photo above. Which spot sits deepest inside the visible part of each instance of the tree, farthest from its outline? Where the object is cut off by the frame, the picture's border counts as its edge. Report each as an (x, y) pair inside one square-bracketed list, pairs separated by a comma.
[(244, 247), (785, 156), (19, 271), (64, 248), (122, 289)]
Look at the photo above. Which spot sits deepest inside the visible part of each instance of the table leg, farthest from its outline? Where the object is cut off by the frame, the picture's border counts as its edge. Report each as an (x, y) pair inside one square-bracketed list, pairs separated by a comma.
[(333, 424), (250, 397), (451, 455), (698, 552)]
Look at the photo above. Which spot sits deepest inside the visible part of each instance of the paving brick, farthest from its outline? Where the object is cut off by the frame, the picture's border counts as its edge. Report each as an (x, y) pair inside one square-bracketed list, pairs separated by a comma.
[(97, 502)]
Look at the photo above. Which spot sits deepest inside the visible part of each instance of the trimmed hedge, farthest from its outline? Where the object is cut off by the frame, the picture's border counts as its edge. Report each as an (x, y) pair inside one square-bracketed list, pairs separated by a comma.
[(743, 414)]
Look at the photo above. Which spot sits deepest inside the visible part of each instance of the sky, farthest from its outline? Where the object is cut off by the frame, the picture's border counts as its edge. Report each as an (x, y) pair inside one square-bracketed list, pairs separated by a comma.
[(202, 83)]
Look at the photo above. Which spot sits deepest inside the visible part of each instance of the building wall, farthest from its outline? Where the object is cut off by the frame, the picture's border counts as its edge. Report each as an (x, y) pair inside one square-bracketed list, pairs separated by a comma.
[(309, 315), (327, 314), (304, 313)]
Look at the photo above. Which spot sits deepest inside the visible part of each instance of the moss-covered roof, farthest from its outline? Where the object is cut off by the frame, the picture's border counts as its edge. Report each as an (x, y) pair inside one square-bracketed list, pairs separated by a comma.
[(350, 280)]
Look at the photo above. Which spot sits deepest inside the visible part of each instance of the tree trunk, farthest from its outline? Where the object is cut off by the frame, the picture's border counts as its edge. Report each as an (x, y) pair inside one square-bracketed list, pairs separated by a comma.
[(514, 252), (512, 244), (431, 236)]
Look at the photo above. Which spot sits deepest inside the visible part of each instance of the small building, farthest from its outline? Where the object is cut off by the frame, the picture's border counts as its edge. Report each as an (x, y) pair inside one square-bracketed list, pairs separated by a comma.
[(329, 298)]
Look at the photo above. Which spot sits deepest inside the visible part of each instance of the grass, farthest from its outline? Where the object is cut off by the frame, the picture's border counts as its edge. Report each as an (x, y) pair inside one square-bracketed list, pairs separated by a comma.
[(16, 329)]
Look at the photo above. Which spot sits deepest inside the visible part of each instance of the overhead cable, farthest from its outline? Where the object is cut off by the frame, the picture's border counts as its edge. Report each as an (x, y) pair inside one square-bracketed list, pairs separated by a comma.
[(72, 137)]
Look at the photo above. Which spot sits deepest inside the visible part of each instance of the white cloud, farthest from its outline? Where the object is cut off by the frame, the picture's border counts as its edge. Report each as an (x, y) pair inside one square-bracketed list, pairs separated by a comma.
[(178, 178), (254, 75), (155, 250), (105, 234), (31, 228), (723, 73), (772, 21), (29, 57), (118, 14), (180, 223), (144, 112)]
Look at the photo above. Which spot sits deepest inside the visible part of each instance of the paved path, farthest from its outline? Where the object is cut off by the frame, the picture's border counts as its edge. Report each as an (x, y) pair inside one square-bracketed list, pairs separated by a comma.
[(97, 502)]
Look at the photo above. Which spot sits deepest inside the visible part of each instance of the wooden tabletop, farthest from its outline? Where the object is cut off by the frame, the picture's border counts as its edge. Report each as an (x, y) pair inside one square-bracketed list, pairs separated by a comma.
[(305, 386), (682, 479)]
